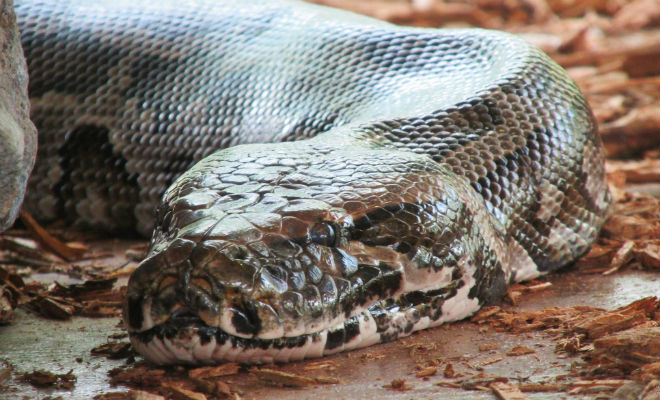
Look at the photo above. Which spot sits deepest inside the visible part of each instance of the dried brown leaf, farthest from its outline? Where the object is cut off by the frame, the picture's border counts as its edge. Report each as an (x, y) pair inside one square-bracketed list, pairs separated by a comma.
[(50, 242), (181, 393), (113, 350), (428, 371), (214, 372), (506, 391), (279, 378), (488, 346), (42, 378), (648, 253), (398, 384), (520, 350)]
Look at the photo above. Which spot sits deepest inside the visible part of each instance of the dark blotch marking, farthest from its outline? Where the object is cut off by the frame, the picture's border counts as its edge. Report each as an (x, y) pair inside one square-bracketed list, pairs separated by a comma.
[(413, 298), (381, 317), (297, 341), (134, 310), (365, 273), (335, 339), (391, 283), (246, 319), (490, 286), (88, 148), (352, 329), (221, 337), (205, 335)]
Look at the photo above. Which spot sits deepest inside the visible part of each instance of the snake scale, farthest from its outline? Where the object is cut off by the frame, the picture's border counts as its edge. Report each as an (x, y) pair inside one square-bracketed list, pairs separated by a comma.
[(410, 174)]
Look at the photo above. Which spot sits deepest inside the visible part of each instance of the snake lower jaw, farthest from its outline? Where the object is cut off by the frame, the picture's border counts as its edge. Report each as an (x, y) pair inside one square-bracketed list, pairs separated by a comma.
[(185, 338)]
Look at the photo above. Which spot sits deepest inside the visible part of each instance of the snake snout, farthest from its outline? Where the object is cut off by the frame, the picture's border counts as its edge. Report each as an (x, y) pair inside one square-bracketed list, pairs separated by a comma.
[(180, 286), (165, 287)]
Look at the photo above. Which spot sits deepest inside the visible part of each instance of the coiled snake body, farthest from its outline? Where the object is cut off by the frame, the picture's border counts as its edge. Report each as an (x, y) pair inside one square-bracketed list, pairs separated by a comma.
[(418, 171)]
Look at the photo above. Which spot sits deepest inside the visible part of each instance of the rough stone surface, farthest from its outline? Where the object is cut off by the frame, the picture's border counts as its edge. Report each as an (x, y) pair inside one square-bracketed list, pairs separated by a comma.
[(18, 136)]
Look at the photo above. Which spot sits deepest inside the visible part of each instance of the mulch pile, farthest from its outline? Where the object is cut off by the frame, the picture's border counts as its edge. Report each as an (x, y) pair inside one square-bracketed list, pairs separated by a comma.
[(618, 347)]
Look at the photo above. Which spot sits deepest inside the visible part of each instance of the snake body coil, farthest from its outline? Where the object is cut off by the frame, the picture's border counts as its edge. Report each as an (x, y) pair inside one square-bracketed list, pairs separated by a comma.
[(437, 167)]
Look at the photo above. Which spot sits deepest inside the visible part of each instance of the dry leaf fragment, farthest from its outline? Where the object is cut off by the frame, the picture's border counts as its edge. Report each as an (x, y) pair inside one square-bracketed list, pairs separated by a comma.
[(213, 387), (637, 130), (488, 346), (571, 344), (621, 257), (50, 242), (279, 378), (42, 378), (100, 309), (637, 171), (327, 380), (636, 15), (398, 384), (113, 350), (5, 370), (52, 307), (506, 391), (541, 387), (141, 376), (520, 350), (8, 301), (485, 313), (492, 360), (142, 395), (329, 365), (651, 390), (631, 348), (599, 382), (648, 253), (630, 227), (213, 372), (608, 322), (647, 372), (181, 393), (428, 371), (114, 396), (449, 372)]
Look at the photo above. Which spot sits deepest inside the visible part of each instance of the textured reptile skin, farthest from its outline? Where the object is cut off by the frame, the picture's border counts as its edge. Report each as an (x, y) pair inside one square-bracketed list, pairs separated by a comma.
[(438, 167)]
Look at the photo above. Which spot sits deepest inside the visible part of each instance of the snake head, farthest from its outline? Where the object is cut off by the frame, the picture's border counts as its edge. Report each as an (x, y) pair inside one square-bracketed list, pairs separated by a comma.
[(285, 242)]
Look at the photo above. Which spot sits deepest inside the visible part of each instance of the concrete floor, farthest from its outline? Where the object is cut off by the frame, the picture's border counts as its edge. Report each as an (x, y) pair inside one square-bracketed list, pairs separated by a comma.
[(31, 343)]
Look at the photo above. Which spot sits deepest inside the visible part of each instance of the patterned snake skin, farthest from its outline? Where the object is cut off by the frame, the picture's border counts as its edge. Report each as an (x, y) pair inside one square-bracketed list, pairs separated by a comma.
[(437, 167)]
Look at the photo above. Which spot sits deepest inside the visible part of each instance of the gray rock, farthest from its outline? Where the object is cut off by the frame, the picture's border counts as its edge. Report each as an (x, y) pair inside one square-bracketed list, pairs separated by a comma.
[(18, 136)]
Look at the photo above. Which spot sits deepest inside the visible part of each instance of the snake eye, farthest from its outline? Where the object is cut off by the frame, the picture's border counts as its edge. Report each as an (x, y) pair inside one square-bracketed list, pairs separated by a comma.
[(323, 233)]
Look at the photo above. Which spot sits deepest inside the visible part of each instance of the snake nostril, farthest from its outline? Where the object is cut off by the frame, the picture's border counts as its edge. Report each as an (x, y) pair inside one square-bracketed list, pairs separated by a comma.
[(237, 253)]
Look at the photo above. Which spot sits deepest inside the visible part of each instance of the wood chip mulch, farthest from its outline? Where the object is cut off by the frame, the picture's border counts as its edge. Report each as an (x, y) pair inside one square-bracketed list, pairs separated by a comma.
[(623, 343)]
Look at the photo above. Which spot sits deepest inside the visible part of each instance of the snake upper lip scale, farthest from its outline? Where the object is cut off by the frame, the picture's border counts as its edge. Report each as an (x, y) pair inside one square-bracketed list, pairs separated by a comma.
[(411, 174)]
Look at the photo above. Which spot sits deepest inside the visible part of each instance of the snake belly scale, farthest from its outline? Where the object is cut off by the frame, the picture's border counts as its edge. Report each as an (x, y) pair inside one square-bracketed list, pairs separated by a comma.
[(411, 174)]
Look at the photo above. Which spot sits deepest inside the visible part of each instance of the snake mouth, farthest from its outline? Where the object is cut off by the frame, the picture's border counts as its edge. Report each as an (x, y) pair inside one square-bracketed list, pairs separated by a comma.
[(187, 339)]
